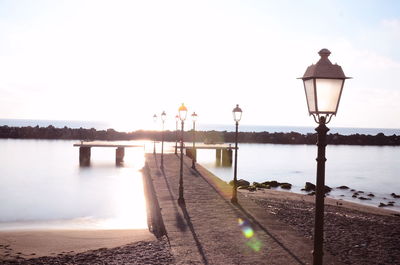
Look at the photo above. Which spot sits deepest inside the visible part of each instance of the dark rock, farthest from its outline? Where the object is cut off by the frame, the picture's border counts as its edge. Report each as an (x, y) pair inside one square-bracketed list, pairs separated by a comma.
[(352, 190), (311, 193), (286, 186), (309, 187), (343, 187), (354, 195), (327, 189), (394, 195), (360, 191), (261, 185), (371, 195), (242, 182), (251, 188), (272, 183), (382, 205), (243, 187), (364, 199)]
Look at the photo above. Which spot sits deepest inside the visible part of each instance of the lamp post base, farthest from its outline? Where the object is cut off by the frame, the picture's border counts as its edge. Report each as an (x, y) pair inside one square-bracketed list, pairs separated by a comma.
[(181, 201)]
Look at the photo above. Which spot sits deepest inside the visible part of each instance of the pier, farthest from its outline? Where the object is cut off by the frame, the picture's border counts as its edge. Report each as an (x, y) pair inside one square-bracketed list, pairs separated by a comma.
[(85, 150), (209, 229), (223, 152)]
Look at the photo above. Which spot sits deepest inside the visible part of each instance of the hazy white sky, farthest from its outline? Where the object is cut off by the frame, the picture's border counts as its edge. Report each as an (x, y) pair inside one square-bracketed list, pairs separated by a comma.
[(123, 61)]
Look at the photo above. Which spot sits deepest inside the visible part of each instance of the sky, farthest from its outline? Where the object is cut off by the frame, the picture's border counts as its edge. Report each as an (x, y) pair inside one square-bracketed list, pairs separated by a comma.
[(123, 61)]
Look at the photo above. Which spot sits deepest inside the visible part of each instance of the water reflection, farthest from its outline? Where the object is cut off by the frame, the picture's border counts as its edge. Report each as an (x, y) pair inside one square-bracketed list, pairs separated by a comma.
[(42, 186)]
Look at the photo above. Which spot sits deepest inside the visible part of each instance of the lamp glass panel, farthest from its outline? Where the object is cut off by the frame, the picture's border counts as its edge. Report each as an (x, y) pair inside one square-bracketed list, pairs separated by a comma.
[(237, 116), (328, 93), (182, 114), (310, 95)]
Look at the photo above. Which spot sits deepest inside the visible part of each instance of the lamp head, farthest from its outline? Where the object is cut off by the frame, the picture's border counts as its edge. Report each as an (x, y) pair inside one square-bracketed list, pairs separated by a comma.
[(323, 85), (182, 112), (194, 116), (237, 113), (163, 116)]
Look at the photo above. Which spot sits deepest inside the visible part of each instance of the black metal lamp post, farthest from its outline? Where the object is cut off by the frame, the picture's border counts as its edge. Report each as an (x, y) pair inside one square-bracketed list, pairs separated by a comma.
[(163, 117), (154, 142), (194, 118), (182, 116), (237, 115), (176, 134), (323, 85)]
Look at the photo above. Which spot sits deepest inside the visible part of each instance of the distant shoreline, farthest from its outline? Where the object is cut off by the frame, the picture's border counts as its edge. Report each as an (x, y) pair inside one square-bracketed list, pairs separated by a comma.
[(65, 133)]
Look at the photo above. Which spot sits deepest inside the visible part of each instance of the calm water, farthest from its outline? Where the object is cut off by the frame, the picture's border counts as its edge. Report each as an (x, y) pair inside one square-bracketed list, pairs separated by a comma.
[(366, 168), (42, 186)]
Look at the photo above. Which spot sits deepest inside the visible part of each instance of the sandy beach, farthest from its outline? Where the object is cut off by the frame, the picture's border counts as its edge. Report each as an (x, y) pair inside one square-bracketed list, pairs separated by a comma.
[(37, 243)]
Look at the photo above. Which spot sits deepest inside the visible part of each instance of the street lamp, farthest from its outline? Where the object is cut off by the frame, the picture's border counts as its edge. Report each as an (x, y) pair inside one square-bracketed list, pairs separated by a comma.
[(194, 118), (176, 134), (163, 117), (154, 120), (323, 85), (182, 116), (237, 115)]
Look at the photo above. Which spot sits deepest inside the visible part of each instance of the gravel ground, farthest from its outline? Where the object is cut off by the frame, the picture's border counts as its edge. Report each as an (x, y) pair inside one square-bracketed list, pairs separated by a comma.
[(143, 252), (354, 237)]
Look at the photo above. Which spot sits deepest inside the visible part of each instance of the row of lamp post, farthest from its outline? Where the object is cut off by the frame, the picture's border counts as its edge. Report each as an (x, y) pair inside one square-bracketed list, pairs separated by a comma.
[(323, 85)]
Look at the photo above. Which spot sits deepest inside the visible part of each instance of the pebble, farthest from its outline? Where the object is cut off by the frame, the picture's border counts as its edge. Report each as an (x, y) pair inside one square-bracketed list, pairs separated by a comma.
[(344, 230), (142, 252)]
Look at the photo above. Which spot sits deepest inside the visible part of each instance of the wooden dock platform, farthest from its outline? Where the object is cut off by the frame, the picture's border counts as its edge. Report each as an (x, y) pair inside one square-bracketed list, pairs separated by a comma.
[(223, 152), (85, 150)]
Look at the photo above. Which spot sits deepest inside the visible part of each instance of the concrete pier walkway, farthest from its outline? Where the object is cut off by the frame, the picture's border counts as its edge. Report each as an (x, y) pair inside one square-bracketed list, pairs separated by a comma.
[(209, 229)]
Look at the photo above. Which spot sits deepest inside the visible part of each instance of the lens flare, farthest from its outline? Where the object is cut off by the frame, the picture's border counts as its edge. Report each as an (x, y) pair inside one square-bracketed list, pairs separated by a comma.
[(249, 234)]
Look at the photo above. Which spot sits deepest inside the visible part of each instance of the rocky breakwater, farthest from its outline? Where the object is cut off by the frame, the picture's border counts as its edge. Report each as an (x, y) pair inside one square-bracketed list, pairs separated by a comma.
[(51, 132)]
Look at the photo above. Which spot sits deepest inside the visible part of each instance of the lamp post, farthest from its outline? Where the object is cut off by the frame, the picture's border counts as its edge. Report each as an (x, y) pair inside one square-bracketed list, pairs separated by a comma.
[(194, 118), (163, 117), (176, 134), (154, 142), (237, 115), (182, 116), (323, 85)]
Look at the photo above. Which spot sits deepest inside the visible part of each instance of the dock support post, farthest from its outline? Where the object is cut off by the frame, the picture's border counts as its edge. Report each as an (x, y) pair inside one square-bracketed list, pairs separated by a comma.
[(84, 156), (188, 152), (119, 155), (191, 152), (218, 154), (227, 157)]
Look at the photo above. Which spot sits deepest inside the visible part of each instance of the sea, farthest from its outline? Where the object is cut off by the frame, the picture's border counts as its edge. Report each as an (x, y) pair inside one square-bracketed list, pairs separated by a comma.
[(43, 186)]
